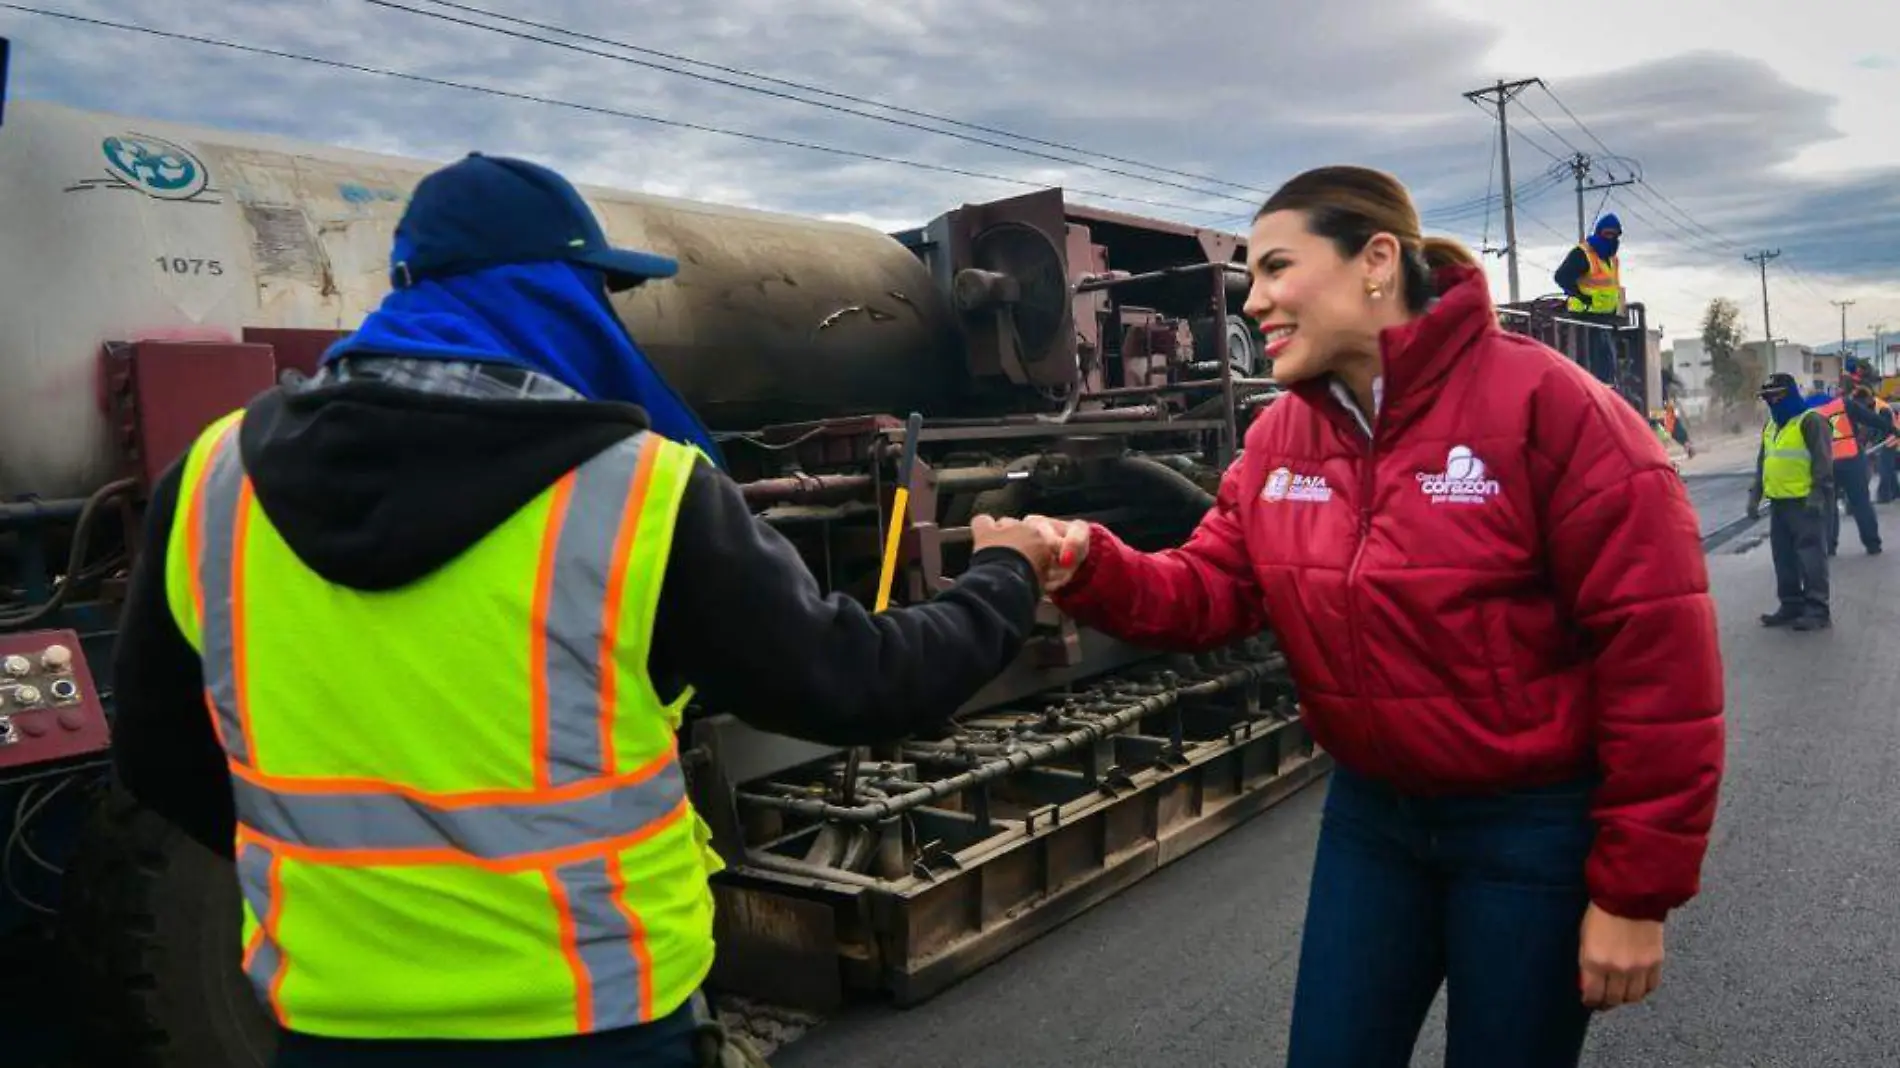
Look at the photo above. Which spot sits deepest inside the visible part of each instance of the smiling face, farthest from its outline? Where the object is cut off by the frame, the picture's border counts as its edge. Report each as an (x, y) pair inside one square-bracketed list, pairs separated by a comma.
[(1316, 307)]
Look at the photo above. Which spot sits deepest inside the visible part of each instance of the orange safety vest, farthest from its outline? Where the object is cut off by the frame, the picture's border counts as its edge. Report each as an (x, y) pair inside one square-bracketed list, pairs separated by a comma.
[(1846, 444)]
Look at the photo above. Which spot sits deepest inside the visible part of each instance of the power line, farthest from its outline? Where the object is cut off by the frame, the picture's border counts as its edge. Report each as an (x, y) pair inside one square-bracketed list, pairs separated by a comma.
[(1678, 218), (1644, 189), (1587, 132), (776, 94), (1525, 107), (821, 91), (1539, 146), (591, 108), (1450, 214)]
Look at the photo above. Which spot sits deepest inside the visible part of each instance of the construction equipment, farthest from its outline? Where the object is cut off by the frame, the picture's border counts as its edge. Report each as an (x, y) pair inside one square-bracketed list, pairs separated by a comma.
[(1064, 359)]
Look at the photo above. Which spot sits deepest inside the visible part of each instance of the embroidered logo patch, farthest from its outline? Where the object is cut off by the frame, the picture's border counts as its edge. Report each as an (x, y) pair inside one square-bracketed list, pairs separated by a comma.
[(1463, 481), (1284, 485)]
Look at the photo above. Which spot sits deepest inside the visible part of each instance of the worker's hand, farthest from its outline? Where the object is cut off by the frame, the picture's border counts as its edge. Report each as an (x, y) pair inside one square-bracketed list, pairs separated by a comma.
[(1072, 547), (1620, 961), (1038, 544)]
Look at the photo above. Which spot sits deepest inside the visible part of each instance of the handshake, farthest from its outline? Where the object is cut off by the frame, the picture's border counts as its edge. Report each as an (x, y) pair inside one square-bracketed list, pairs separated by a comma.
[(1054, 547)]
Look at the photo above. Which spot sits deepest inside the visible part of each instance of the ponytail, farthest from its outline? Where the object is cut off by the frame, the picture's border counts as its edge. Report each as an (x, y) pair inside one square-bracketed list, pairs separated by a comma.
[(1441, 252)]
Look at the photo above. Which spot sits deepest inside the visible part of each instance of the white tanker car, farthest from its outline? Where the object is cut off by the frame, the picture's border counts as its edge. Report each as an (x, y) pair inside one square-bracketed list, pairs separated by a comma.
[(124, 230)]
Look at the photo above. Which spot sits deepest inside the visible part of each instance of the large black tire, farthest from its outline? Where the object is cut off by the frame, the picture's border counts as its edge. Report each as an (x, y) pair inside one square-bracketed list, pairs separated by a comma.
[(149, 941)]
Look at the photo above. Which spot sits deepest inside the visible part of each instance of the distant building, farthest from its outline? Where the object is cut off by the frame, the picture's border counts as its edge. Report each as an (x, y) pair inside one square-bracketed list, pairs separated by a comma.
[(1864, 347), (1694, 370), (1816, 371)]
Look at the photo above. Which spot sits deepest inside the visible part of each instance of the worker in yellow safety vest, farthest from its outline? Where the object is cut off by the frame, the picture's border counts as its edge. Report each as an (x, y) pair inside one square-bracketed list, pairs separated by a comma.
[(411, 642), (1592, 277), (1793, 472)]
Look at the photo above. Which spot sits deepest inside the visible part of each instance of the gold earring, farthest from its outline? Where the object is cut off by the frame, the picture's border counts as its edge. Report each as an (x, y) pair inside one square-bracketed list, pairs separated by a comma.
[(1374, 289)]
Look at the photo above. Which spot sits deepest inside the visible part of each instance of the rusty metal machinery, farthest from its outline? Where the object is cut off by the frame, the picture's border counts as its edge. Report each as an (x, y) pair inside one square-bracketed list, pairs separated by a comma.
[(1110, 380), (924, 863)]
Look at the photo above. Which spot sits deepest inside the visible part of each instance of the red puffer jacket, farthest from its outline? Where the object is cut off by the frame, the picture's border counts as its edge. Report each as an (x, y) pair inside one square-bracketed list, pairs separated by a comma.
[(1503, 586)]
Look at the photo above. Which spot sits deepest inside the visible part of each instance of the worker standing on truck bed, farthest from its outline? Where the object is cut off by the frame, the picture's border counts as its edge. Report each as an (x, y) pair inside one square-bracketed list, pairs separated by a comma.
[(1592, 277), (1490, 590), (446, 602), (1794, 473)]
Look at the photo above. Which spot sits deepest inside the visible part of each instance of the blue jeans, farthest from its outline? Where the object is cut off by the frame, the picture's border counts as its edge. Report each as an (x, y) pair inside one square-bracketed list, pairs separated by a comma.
[(1485, 894)]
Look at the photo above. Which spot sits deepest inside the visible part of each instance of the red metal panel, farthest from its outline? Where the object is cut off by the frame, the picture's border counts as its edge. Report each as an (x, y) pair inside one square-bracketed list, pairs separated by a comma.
[(172, 390), (49, 710), (297, 350)]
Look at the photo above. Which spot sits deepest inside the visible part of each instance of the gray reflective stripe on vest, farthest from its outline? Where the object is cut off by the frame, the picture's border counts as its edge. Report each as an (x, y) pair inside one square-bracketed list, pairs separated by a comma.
[(577, 610), (254, 863), (222, 484), (498, 832), (1787, 454), (604, 942)]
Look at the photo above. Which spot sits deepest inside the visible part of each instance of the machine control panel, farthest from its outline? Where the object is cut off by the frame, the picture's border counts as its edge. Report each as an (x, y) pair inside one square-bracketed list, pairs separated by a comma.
[(50, 712)]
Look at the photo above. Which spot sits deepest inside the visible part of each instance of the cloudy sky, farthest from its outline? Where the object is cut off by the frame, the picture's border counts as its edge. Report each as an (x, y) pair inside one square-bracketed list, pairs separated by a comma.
[(1754, 124)]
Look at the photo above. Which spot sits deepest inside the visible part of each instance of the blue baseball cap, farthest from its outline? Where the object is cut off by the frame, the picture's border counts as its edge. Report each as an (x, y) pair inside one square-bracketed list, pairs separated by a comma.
[(486, 211)]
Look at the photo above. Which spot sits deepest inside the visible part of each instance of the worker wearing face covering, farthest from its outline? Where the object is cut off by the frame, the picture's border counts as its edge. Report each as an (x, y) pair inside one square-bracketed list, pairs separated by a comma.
[(1854, 425), (446, 604), (1794, 472), (1592, 277)]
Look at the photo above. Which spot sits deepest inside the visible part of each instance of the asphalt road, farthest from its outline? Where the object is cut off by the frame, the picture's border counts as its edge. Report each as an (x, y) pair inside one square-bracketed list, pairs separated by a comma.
[(1791, 956), (1719, 499)]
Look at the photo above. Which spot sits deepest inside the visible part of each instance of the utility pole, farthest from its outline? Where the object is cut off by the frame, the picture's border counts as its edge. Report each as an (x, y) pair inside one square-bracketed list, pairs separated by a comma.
[(1579, 165), (1502, 94), (1843, 305), (1767, 327)]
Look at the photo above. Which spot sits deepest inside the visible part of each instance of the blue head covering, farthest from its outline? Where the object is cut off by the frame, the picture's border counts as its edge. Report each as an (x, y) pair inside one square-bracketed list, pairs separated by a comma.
[(501, 260), (549, 317), (1606, 246), (1790, 403)]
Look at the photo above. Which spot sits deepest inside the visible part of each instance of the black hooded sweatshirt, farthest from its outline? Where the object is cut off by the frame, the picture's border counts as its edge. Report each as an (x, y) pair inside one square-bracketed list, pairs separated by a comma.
[(375, 486)]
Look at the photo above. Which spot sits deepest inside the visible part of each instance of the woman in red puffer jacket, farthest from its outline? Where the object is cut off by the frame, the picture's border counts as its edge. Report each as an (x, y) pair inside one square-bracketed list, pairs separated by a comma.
[(1490, 589)]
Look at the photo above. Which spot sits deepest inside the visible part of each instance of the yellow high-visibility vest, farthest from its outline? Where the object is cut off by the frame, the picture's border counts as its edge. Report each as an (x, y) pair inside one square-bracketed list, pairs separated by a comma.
[(1787, 470), (460, 810), (1601, 283)]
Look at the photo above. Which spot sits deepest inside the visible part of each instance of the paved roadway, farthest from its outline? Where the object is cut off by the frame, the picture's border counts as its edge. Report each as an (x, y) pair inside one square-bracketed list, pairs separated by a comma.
[(1790, 957), (1719, 499)]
